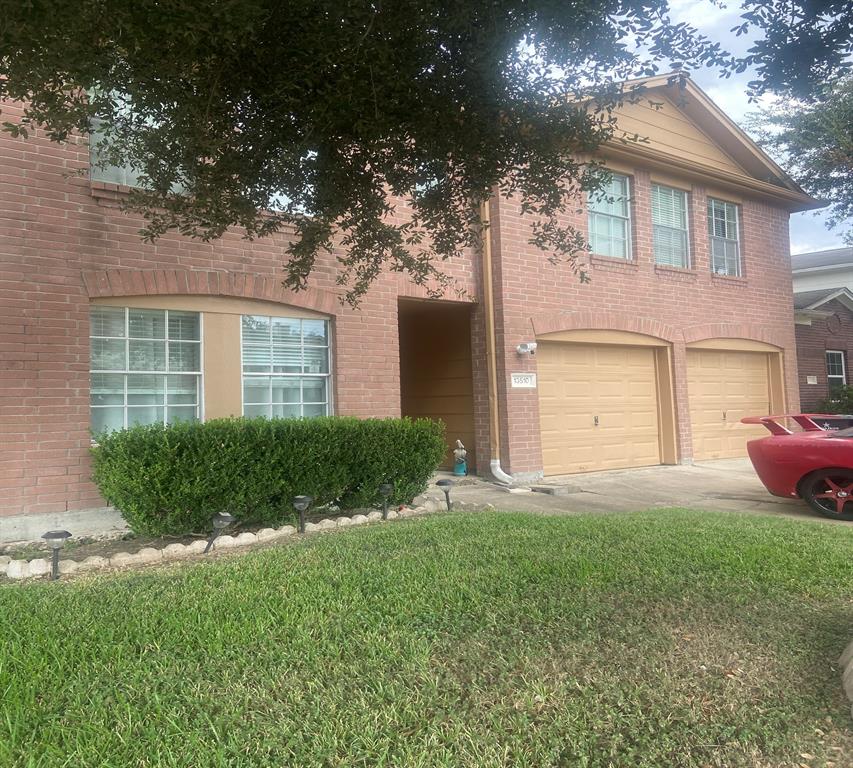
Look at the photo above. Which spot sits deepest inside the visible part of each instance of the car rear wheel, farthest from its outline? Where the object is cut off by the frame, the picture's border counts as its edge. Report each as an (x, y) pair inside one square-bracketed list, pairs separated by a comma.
[(830, 492)]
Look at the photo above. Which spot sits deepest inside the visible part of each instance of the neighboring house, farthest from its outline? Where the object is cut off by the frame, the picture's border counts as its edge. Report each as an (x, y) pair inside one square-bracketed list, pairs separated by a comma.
[(823, 313), (684, 328), (821, 270)]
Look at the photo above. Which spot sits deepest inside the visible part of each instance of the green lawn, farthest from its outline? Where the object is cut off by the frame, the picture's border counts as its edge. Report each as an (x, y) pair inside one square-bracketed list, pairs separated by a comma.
[(668, 639)]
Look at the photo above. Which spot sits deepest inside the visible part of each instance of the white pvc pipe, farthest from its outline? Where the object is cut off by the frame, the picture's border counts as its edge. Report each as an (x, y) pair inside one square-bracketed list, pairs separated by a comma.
[(498, 473), (495, 463)]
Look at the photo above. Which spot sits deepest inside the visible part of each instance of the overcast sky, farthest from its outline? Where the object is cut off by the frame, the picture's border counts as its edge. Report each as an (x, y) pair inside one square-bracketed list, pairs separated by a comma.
[(808, 230)]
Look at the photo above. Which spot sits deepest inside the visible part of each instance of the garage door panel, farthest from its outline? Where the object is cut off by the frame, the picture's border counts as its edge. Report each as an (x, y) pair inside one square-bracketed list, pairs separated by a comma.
[(578, 382), (723, 387)]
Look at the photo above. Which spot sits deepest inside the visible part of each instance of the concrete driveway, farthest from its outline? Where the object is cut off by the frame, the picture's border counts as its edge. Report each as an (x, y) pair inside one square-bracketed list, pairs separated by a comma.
[(728, 485)]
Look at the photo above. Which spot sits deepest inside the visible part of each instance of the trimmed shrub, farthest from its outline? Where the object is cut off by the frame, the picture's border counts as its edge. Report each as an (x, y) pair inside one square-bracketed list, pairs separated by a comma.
[(840, 402), (172, 479)]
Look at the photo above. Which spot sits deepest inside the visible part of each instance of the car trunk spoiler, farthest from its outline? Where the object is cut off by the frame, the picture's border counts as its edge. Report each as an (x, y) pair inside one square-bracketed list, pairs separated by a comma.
[(805, 420)]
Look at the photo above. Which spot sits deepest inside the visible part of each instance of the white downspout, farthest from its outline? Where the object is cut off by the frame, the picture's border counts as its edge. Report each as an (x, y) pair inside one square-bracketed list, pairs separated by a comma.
[(491, 344)]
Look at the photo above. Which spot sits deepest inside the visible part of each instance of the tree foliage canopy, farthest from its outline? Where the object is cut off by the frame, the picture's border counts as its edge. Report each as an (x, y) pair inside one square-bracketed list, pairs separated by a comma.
[(262, 112), (815, 139)]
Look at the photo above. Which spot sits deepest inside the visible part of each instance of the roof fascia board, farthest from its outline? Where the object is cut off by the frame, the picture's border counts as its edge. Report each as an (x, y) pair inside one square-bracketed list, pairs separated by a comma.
[(812, 313), (795, 201), (823, 268), (842, 295)]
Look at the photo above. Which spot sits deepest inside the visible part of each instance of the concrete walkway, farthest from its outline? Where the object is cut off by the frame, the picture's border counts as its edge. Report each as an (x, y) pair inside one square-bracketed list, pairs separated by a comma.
[(728, 485)]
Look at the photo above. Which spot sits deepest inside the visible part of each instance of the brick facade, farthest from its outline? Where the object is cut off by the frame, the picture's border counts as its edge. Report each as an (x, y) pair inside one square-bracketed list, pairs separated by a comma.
[(64, 241), (833, 332), (677, 305)]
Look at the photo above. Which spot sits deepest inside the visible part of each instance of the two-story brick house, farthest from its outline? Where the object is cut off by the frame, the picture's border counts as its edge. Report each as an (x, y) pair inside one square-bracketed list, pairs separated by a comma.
[(684, 327)]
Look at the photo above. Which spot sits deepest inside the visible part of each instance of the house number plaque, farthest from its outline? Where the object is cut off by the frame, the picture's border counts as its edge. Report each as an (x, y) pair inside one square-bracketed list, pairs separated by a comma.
[(523, 380)]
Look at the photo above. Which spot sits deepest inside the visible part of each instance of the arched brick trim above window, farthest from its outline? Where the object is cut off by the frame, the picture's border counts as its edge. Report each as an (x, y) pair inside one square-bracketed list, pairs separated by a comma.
[(734, 331), (160, 282), (603, 320)]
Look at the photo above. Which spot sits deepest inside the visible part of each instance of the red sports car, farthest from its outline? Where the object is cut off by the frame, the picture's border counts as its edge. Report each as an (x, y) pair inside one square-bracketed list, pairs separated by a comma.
[(815, 465)]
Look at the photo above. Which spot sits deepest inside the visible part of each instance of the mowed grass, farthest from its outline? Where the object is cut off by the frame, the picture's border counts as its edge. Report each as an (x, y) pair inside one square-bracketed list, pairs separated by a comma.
[(669, 638)]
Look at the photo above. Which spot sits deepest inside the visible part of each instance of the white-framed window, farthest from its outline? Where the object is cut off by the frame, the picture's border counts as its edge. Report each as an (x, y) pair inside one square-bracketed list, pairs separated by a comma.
[(286, 366), (145, 367), (610, 219), (125, 174), (724, 233), (98, 171), (669, 224), (836, 370)]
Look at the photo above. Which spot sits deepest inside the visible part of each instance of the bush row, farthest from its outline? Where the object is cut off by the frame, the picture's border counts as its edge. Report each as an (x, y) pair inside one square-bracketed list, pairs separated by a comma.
[(172, 479)]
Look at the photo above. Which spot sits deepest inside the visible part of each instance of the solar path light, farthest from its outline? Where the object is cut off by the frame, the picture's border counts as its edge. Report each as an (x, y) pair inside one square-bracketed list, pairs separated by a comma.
[(385, 490), (56, 539), (301, 504), (445, 486), (221, 520)]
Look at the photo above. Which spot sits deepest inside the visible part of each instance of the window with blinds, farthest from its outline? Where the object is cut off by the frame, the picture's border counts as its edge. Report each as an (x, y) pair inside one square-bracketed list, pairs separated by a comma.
[(669, 220), (145, 367), (285, 366), (610, 219), (724, 234)]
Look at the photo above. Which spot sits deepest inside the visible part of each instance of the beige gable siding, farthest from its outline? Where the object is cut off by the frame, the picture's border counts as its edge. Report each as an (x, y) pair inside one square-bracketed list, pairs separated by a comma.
[(669, 130)]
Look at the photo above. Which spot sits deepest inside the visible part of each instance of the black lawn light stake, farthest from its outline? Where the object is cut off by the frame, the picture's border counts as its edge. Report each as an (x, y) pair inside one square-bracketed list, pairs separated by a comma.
[(56, 539), (445, 486), (221, 520), (385, 490), (301, 504)]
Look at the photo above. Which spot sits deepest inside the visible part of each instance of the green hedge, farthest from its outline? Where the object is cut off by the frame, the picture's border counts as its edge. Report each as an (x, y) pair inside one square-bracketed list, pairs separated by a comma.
[(840, 402), (171, 480)]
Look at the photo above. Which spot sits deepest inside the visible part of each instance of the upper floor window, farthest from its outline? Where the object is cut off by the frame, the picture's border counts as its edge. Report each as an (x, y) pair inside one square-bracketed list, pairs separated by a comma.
[(725, 238), (100, 169), (669, 220), (145, 367), (285, 366), (610, 219), (836, 371)]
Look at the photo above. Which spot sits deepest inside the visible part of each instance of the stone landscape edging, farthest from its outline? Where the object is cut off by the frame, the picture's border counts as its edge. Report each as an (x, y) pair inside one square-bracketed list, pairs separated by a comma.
[(19, 570)]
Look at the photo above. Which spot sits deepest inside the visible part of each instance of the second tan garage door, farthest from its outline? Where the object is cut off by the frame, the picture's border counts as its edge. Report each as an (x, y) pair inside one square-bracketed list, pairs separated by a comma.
[(723, 387), (581, 384)]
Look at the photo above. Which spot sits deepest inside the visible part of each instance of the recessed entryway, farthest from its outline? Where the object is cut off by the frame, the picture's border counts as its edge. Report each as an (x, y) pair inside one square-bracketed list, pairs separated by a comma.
[(436, 380), (604, 405)]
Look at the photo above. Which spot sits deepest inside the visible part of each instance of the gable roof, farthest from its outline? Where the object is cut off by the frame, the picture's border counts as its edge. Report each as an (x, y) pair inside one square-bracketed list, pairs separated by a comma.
[(760, 173), (822, 260), (807, 301)]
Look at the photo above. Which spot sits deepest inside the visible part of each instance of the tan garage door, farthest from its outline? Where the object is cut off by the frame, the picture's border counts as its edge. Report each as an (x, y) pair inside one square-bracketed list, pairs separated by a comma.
[(723, 387), (580, 384)]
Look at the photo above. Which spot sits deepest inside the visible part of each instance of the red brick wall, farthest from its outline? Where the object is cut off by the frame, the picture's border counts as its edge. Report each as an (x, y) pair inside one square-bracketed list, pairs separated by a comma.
[(64, 239), (678, 305), (834, 332)]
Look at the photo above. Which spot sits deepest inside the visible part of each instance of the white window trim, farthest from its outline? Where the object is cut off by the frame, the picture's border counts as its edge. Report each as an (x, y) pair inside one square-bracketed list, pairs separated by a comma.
[(127, 372), (736, 241), (843, 377), (330, 402), (688, 256), (629, 230)]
